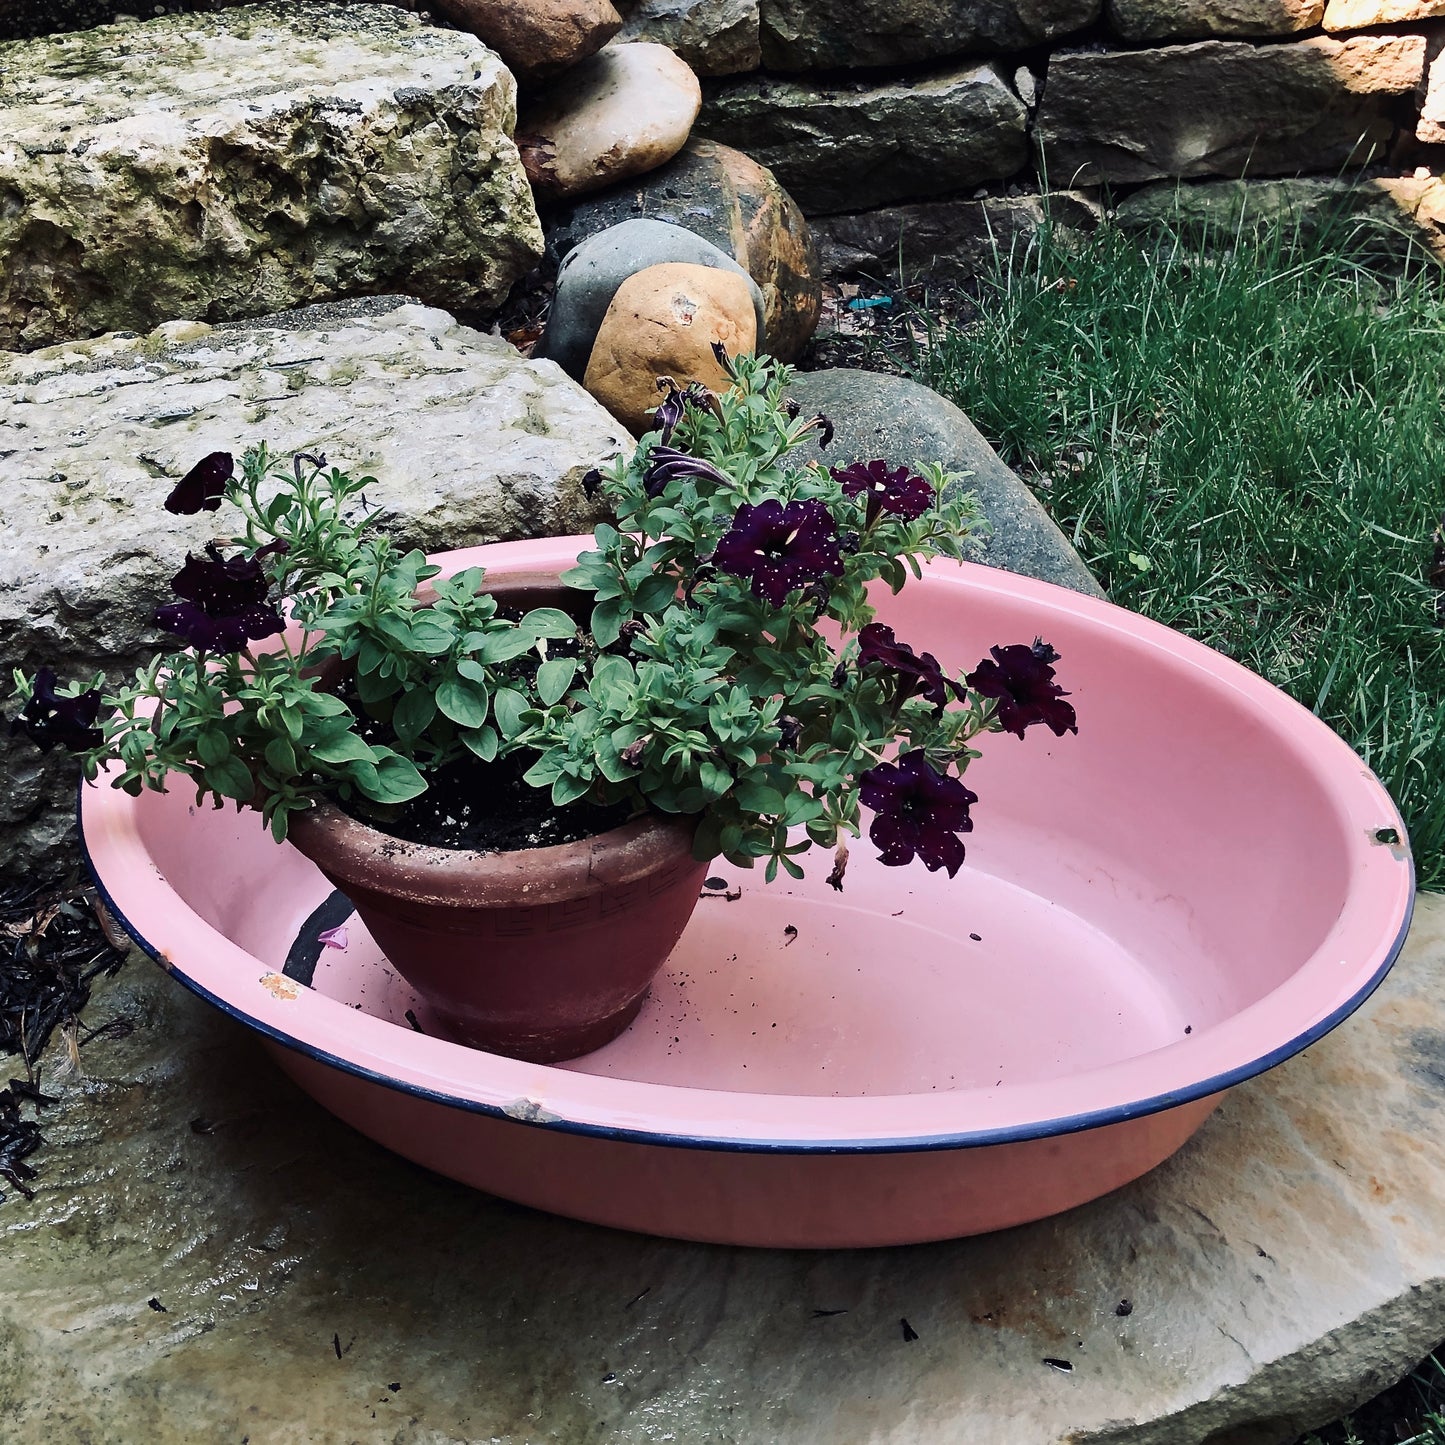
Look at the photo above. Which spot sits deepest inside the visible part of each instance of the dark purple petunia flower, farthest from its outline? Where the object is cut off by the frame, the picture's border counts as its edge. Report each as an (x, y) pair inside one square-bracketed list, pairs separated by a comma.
[(666, 464), (918, 812), (223, 603), (202, 488), (48, 719), (914, 675), (1021, 679), (672, 410), (896, 491), (780, 548)]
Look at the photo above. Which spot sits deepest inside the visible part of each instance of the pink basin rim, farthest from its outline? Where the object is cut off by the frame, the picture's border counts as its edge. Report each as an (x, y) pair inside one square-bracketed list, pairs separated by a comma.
[(1364, 942)]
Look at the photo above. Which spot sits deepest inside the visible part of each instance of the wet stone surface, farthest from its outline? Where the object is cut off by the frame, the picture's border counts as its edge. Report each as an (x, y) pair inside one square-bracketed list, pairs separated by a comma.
[(210, 1256)]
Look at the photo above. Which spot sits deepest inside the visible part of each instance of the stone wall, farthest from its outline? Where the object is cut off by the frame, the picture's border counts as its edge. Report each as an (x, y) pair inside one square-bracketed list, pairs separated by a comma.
[(930, 123), (873, 113)]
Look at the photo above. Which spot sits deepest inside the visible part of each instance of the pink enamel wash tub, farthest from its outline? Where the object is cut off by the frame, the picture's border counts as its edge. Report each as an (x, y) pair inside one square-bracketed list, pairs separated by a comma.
[(1199, 885)]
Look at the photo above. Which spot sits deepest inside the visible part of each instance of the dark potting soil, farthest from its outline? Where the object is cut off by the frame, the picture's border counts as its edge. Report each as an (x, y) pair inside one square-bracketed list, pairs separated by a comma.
[(488, 808)]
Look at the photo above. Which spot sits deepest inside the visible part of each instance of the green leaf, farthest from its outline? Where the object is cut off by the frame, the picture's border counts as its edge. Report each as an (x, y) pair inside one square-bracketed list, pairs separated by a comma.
[(508, 705), (469, 667), (655, 594), (759, 798), (607, 623), (543, 773), (413, 712), (281, 757), (372, 688), (396, 630), (549, 622), (504, 645), (554, 678), (397, 780), (483, 743), (430, 638), (716, 780), (462, 702), (610, 764), (801, 807), (343, 748), (568, 789), (213, 747), (370, 655), (320, 704), (231, 779)]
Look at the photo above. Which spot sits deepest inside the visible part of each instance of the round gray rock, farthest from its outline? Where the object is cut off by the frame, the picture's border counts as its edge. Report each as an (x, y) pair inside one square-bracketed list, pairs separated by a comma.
[(589, 278), (888, 416)]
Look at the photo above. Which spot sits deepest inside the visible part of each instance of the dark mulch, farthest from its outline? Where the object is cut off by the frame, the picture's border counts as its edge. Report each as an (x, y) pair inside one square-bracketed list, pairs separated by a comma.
[(53, 946)]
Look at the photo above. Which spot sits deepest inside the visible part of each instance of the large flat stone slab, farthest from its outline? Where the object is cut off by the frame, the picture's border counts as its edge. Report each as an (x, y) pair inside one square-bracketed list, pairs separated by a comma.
[(1223, 108), (1390, 216), (825, 34), (715, 37), (1137, 20), (1287, 1264), (470, 444), (208, 167), (844, 147), (1430, 128), (947, 240)]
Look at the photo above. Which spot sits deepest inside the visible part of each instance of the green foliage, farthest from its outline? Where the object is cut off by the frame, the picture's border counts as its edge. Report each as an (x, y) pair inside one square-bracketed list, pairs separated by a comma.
[(701, 685), (1245, 441), (725, 704), (434, 672)]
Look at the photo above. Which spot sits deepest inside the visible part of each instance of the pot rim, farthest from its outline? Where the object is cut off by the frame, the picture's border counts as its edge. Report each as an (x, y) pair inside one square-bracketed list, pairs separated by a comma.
[(1335, 980), (523, 877)]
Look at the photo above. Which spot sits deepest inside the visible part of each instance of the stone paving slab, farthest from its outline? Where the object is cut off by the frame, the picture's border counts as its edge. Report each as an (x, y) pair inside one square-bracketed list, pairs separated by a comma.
[(305, 1286)]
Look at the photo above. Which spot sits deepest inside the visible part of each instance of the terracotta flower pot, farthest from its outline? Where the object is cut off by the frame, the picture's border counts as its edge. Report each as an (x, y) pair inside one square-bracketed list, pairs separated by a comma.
[(542, 953)]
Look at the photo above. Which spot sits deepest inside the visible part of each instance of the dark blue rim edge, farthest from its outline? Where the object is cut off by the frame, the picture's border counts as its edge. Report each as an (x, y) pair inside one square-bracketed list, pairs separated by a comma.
[(979, 1139)]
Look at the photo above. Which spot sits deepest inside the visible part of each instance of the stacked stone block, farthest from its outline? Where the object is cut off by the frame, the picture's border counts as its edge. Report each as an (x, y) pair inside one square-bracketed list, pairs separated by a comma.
[(870, 109)]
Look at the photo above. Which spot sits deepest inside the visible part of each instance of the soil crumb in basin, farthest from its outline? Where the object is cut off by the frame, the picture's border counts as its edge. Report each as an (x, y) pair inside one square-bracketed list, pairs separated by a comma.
[(488, 808)]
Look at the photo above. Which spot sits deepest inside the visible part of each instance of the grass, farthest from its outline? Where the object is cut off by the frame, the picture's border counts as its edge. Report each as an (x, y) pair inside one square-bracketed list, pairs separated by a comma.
[(1246, 442)]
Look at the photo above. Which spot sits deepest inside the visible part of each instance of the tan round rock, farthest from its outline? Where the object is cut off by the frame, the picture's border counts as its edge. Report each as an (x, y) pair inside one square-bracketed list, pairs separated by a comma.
[(625, 111), (537, 38), (663, 322)]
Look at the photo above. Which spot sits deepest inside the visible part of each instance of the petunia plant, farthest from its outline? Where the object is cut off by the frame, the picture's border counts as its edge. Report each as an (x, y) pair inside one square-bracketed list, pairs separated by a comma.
[(743, 677), (722, 659)]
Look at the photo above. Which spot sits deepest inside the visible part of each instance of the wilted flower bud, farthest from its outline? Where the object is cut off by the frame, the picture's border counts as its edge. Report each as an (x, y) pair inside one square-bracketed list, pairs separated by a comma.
[(202, 488)]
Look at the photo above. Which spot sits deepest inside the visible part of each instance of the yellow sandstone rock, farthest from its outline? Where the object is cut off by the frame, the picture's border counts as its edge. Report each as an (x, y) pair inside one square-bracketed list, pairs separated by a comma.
[(663, 322)]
